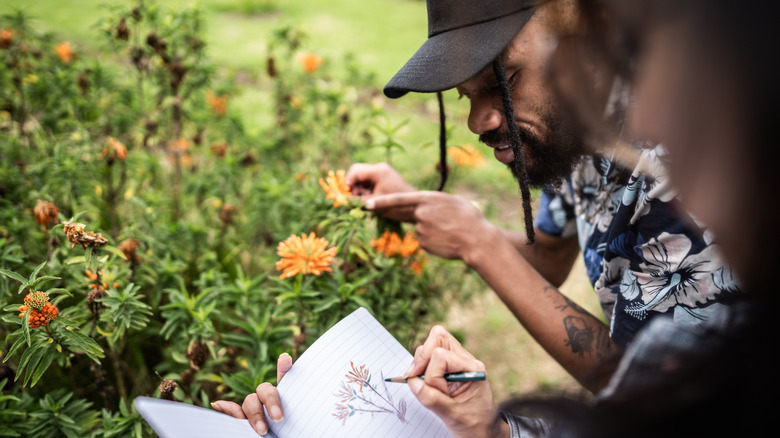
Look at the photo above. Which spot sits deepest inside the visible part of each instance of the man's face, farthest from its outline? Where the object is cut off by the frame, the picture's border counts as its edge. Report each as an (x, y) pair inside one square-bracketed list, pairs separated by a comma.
[(551, 144)]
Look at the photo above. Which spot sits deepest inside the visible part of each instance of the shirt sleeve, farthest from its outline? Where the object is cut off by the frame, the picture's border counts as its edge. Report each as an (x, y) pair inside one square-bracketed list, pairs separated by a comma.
[(526, 427), (555, 215)]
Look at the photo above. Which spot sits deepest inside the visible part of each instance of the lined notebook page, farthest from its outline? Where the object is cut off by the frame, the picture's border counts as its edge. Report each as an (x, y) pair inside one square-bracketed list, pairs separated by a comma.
[(171, 419), (336, 387)]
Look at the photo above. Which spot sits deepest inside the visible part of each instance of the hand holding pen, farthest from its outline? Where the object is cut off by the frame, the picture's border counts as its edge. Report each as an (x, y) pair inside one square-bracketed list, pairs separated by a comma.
[(464, 402)]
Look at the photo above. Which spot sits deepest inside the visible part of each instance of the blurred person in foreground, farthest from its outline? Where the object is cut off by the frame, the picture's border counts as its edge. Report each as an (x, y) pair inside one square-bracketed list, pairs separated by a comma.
[(643, 255)]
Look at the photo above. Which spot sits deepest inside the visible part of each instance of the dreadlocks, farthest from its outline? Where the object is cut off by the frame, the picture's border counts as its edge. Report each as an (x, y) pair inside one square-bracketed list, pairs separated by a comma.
[(518, 164), (442, 143)]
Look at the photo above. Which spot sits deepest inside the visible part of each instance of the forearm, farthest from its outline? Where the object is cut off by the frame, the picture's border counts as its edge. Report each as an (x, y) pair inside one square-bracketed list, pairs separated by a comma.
[(552, 257), (576, 339)]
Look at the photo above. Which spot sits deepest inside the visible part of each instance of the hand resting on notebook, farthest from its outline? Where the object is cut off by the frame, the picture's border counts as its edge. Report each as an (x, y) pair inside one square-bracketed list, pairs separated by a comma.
[(265, 395)]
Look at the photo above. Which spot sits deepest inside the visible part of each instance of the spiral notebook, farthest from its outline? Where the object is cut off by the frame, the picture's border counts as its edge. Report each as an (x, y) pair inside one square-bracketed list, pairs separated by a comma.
[(336, 388)]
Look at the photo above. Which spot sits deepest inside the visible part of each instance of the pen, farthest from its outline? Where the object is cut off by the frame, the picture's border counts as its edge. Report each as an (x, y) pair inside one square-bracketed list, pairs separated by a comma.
[(467, 376)]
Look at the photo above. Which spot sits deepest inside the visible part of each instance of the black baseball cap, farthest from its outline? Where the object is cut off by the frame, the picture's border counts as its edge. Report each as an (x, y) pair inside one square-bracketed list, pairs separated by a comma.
[(464, 36)]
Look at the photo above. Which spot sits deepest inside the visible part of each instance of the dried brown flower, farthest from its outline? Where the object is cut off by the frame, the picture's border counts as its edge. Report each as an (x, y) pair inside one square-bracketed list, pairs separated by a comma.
[(45, 213), (129, 248), (166, 389), (92, 300), (226, 214), (122, 32), (198, 353), (87, 239)]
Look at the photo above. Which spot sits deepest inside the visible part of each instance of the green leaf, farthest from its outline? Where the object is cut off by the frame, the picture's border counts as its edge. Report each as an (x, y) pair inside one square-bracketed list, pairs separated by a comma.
[(75, 260), (360, 301), (327, 304), (45, 361), (114, 250), (77, 341), (18, 344), (34, 275), (13, 275), (26, 326)]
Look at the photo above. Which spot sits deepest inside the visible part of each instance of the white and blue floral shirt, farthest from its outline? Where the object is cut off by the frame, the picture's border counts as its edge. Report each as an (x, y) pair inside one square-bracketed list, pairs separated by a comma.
[(644, 255)]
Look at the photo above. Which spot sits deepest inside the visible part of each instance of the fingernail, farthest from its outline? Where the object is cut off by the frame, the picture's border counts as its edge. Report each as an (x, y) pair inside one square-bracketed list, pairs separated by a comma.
[(216, 407), (370, 204), (276, 414), (261, 428), (408, 371)]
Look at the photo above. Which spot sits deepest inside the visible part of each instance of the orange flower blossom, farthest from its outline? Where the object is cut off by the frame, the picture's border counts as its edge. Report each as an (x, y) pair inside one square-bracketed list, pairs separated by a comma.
[(218, 103), (467, 155), (114, 148), (6, 36), (336, 187), (391, 244), (304, 255), (65, 52), (310, 62), (42, 311), (180, 149)]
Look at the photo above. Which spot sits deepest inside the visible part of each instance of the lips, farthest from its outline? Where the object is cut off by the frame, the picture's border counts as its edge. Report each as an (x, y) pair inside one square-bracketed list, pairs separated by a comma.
[(504, 153)]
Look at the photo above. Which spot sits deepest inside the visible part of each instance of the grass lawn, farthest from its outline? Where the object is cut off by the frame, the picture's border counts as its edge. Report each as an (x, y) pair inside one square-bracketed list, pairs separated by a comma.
[(382, 34)]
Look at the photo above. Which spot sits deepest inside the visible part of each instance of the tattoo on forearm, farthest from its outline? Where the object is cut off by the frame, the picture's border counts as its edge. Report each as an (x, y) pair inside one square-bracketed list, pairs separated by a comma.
[(582, 337)]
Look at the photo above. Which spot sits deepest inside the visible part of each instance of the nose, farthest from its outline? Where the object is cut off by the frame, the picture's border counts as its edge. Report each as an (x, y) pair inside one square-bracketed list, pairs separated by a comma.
[(486, 114)]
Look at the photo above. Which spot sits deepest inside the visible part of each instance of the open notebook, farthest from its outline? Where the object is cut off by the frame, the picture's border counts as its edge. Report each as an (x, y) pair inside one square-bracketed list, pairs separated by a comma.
[(336, 388)]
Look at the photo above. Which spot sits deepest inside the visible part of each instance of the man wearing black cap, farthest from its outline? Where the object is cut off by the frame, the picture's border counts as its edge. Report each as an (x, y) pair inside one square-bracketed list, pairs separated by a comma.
[(643, 257)]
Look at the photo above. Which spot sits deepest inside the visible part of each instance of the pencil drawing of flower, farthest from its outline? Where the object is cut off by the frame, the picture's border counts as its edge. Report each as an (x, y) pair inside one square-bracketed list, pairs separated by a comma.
[(352, 399), (360, 375)]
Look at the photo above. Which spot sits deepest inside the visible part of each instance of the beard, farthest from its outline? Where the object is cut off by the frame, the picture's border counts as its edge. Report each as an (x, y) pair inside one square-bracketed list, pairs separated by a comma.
[(548, 159)]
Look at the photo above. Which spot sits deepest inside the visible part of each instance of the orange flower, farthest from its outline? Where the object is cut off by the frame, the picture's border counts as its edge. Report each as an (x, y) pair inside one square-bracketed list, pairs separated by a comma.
[(310, 62), (180, 148), (409, 245), (336, 187), (114, 149), (218, 149), (42, 311), (304, 255), (391, 244), (6, 36), (218, 103), (65, 52), (467, 155), (45, 213)]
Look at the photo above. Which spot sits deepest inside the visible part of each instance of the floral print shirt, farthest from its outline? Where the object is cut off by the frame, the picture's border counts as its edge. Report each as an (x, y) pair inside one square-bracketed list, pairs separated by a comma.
[(644, 255)]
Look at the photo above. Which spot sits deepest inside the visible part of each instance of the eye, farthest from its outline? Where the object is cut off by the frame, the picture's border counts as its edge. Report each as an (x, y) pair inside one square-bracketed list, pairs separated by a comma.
[(511, 82)]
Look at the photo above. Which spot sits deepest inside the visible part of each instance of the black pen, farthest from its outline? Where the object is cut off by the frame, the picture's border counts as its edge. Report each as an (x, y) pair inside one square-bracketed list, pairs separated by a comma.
[(467, 376)]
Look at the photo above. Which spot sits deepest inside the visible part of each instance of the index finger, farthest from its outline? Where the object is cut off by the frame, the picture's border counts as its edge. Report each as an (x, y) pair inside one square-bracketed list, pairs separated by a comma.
[(438, 337), (395, 200)]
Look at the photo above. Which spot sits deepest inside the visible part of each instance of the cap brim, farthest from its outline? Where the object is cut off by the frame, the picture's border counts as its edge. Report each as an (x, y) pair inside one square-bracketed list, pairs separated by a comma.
[(448, 59)]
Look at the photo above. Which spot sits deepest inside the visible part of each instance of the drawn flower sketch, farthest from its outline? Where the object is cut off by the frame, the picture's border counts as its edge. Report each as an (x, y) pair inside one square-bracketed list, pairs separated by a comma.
[(356, 394)]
